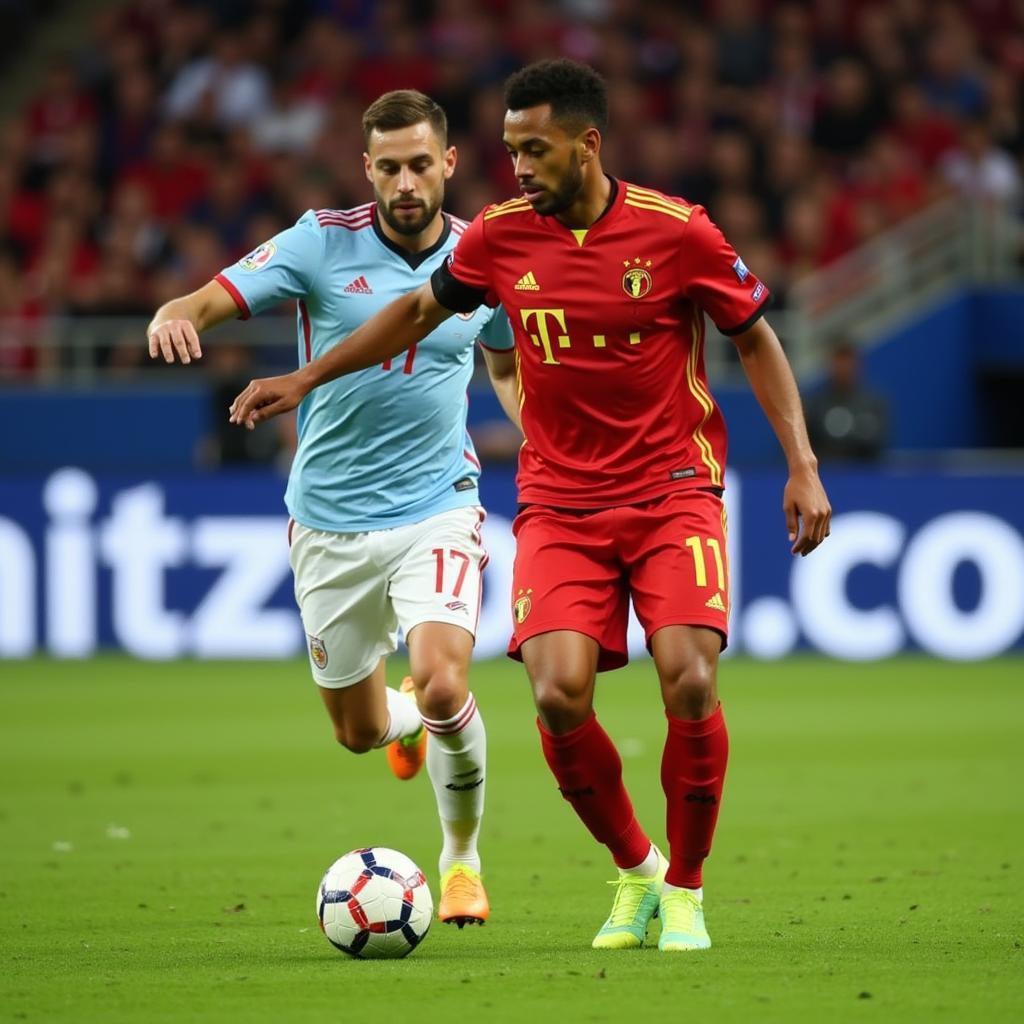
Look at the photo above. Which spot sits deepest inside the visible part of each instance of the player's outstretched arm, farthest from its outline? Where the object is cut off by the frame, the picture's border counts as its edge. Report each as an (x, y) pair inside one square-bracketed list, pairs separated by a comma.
[(398, 326), (175, 327), (501, 368), (807, 509)]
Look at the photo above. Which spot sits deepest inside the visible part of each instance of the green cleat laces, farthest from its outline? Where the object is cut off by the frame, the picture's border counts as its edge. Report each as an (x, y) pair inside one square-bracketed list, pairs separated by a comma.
[(682, 922), (635, 903)]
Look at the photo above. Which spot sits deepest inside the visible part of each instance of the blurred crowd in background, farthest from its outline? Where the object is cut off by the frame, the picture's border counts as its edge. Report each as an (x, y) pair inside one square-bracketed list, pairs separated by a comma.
[(180, 135)]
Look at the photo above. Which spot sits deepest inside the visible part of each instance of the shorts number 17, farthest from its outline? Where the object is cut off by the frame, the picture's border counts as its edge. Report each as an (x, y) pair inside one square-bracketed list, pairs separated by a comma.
[(453, 555)]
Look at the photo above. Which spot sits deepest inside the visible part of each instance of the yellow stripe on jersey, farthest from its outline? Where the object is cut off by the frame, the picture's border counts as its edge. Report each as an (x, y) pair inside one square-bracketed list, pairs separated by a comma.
[(514, 201), (646, 193), (697, 390), (679, 212), (522, 396), (728, 570), (509, 202), (512, 206), (507, 205)]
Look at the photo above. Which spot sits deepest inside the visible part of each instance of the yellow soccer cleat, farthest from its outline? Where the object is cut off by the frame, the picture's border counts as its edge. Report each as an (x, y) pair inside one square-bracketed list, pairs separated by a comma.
[(463, 898), (682, 922), (636, 902), (407, 755)]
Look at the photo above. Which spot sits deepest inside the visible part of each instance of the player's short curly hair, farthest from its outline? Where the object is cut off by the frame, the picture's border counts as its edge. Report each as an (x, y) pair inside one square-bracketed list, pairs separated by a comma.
[(576, 92), (403, 108)]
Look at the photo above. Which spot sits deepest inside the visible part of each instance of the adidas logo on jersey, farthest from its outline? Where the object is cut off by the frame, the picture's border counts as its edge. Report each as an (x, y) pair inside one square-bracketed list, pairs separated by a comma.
[(360, 286), (715, 602), (527, 283)]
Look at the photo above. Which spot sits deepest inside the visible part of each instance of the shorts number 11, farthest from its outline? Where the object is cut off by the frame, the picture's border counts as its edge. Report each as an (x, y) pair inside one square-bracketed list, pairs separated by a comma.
[(699, 566)]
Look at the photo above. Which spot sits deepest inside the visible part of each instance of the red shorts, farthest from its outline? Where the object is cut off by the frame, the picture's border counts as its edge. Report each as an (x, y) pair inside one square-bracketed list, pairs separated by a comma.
[(578, 569)]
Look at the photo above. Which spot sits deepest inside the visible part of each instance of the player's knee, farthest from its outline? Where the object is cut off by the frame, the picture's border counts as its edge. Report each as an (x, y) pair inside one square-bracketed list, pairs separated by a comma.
[(442, 692), (690, 690), (560, 706)]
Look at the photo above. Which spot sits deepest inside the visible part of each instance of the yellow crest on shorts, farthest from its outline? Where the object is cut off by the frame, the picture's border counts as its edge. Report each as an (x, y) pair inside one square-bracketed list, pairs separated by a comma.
[(318, 652), (522, 605)]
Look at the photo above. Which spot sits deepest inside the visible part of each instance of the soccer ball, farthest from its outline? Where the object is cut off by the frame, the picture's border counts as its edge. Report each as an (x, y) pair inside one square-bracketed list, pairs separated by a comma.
[(374, 903)]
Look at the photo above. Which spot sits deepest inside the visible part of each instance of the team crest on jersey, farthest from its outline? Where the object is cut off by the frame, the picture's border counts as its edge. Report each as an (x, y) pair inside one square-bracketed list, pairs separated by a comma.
[(522, 605), (636, 281), (258, 258), (318, 652)]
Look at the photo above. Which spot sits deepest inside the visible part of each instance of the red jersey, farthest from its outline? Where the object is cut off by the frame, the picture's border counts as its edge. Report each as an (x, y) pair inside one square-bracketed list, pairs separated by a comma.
[(609, 328)]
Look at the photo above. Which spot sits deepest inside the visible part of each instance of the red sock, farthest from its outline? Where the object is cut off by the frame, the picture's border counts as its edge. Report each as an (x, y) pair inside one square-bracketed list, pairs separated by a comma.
[(588, 770), (692, 774)]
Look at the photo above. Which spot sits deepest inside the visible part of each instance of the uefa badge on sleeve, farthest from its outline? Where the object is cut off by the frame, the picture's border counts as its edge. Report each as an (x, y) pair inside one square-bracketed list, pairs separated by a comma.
[(258, 258), (318, 652)]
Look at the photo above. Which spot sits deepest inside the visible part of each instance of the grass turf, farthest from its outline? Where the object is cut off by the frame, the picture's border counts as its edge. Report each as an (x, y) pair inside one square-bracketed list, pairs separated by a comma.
[(164, 828)]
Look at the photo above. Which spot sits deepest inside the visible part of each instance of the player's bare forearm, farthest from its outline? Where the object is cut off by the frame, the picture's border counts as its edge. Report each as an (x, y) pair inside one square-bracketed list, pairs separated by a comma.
[(506, 392), (176, 325), (501, 369), (774, 386), (806, 506), (397, 327)]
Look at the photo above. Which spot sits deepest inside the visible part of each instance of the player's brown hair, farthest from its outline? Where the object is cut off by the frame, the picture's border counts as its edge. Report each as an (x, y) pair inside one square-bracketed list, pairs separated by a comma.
[(403, 108), (576, 92)]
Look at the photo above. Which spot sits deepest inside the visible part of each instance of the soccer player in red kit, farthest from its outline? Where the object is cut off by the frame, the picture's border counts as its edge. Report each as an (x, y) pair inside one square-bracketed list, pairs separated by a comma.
[(622, 468)]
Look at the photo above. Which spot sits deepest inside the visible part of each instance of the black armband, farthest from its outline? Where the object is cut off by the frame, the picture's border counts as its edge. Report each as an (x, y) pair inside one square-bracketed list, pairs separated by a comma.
[(451, 293)]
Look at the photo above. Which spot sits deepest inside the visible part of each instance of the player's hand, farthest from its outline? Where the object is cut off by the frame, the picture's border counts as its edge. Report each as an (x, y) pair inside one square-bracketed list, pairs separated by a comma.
[(808, 512), (266, 398), (174, 338)]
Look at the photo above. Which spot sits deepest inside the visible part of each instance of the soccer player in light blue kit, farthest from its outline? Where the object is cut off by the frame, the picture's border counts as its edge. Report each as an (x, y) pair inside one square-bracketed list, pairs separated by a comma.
[(385, 512)]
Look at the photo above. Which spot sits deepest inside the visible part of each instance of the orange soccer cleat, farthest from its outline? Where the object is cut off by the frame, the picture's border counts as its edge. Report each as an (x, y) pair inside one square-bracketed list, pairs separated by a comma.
[(463, 898), (407, 755)]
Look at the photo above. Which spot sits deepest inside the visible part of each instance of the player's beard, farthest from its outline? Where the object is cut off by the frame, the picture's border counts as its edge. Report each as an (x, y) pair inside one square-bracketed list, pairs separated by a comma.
[(568, 191), (428, 211)]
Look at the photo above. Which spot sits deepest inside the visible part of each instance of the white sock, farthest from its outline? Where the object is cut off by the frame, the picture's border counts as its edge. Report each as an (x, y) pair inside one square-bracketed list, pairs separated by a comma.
[(404, 718), (647, 868), (456, 756), (699, 893)]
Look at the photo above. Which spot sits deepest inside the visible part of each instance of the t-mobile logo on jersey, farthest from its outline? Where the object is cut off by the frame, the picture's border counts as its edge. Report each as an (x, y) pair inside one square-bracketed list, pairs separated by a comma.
[(547, 341)]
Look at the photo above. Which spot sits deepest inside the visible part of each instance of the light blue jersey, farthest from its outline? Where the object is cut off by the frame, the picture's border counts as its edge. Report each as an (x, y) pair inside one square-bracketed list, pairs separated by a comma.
[(386, 446)]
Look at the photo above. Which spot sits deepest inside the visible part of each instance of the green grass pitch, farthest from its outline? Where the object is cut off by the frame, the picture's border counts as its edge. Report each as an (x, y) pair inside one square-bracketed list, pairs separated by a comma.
[(163, 829)]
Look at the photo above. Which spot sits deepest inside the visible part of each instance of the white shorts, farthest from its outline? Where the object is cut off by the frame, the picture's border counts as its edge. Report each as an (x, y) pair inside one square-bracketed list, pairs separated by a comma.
[(355, 589)]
